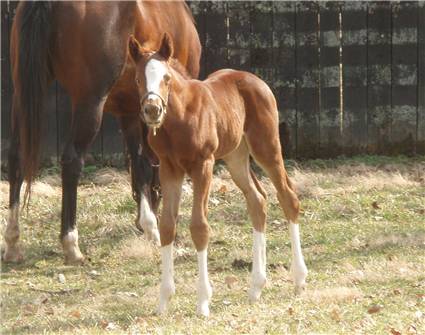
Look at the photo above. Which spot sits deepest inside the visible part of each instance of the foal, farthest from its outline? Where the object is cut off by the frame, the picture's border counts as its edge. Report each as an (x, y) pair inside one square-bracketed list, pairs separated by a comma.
[(230, 116)]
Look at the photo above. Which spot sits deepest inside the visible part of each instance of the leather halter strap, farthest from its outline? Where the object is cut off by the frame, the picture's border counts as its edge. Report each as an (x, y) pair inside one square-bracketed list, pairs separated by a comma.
[(163, 102)]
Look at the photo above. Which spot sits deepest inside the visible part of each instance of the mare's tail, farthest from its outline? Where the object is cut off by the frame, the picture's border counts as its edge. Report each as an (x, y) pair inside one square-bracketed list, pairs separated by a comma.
[(31, 74)]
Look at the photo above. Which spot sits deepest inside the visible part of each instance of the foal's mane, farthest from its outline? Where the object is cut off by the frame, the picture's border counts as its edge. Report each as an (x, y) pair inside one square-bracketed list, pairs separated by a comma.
[(176, 65)]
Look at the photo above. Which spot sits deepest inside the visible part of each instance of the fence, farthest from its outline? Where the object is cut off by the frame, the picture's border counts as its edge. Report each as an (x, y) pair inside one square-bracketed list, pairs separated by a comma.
[(349, 76)]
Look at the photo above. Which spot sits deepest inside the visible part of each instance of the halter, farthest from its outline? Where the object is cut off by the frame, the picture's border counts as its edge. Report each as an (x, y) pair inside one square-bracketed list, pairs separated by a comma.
[(163, 102)]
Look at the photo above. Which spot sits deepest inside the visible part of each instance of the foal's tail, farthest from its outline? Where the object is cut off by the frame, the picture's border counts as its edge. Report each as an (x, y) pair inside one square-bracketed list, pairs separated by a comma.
[(31, 74)]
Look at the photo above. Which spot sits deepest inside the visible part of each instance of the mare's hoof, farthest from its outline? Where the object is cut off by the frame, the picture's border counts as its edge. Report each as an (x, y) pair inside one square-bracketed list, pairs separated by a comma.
[(12, 255)]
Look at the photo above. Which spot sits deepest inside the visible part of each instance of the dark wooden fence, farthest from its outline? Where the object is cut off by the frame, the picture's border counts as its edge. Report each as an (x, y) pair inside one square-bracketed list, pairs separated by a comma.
[(349, 76)]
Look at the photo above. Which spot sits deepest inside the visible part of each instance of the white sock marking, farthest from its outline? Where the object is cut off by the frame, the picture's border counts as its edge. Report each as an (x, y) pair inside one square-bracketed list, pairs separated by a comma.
[(298, 268), (258, 274), (70, 247), (148, 220), (154, 71), (167, 277), (204, 287)]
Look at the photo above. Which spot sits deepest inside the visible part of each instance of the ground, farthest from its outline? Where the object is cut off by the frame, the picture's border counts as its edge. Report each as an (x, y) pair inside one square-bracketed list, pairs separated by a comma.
[(363, 236)]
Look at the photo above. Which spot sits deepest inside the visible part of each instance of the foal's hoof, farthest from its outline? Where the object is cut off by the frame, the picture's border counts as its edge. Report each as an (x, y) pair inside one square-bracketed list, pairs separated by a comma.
[(75, 258), (299, 289), (12, 255), (203, 309)]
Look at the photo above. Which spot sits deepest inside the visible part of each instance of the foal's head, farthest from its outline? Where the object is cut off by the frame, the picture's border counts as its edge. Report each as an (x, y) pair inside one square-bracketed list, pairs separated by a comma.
[(152, 79)]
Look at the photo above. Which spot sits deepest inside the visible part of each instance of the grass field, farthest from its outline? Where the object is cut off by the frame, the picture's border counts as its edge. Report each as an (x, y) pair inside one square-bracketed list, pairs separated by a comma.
[(363, 236)]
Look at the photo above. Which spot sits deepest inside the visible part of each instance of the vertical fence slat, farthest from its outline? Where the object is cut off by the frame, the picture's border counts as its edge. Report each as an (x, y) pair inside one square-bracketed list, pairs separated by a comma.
[(285, 76), (215, 50), (308, 132), (198, 9), (354, 62), (112, 140), (330, 117), (379, 77), (6, 91), (420, 140), (238, 44), (261, 40), (404, 77)]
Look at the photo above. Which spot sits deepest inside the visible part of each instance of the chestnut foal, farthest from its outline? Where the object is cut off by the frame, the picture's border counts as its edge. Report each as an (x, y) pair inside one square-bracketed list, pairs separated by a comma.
[(230, 115)]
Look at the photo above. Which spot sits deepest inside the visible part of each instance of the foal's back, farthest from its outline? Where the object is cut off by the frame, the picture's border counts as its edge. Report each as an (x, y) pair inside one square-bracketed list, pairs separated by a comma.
[(242, 102)]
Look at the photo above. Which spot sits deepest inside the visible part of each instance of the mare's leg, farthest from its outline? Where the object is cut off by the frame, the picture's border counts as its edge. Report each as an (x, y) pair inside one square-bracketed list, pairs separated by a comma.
[(238, 165), (12, 250), (142, 176), (86, 122), (171, 183), (201, 178), (265, 147)]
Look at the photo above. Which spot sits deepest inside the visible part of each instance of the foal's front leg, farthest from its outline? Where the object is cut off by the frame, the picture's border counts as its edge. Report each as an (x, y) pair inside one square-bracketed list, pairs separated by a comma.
[(199, 229), (171, 184)]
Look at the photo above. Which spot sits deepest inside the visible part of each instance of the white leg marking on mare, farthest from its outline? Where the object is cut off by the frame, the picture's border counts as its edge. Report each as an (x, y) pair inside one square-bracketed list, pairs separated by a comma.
[(148, 220), (167, 288), (258, 274), (12, 251), (298, 268), (71, 249), (204, 287)]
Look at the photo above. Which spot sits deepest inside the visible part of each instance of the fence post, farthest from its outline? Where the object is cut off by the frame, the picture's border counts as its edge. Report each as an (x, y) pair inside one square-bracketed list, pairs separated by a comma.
[(404, 77), (285, 75), (354, 62), (307, 45), (330, 118)]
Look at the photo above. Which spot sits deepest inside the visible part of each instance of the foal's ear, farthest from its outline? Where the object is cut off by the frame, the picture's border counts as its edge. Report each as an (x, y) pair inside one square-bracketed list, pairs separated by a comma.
[(135, 48), (166, 48)]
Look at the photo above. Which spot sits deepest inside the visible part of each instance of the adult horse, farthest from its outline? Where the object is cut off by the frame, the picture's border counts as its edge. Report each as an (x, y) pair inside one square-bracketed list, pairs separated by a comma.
[(83, 45), (230, 115)]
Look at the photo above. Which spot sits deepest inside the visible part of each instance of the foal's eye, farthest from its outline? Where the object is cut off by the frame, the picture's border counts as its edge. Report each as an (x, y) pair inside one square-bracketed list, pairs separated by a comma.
[(167, 77)]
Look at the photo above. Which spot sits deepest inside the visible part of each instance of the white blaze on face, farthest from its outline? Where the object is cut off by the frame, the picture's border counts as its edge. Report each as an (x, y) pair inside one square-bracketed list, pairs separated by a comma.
[(154, 71)]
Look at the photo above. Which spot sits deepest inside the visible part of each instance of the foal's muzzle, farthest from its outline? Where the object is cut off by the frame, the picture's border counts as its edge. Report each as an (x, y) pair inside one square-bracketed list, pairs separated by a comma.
[(153, 109)]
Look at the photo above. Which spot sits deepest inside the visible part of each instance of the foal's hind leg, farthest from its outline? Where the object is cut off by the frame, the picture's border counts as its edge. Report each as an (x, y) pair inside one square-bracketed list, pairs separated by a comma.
[(238, 165), (86, 122), (12, 250), (265, 147)]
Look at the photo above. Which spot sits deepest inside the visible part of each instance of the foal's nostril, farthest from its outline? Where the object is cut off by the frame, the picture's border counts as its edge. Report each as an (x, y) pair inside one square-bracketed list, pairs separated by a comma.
[(154, 111)]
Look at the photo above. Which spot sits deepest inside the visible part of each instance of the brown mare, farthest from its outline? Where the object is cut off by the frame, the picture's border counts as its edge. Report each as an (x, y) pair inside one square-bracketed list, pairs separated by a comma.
[(83, 45), (230, 115)]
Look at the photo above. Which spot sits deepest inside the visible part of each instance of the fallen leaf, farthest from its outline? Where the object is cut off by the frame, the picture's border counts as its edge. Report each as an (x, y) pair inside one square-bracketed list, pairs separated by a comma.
[(223, 189), (291, 310), (374, 309), (230, 281), (28, 309), (335, 315), (75, 313), (49, 311), (394, 331), (412, 330), (396, 291), (375, 205)]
